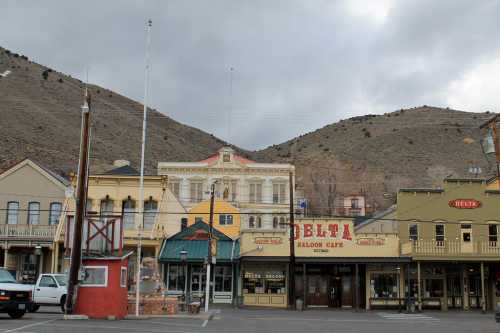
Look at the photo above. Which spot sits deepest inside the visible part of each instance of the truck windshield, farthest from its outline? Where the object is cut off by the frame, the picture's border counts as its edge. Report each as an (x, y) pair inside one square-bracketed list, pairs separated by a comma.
[(61, 279), (6, 277)]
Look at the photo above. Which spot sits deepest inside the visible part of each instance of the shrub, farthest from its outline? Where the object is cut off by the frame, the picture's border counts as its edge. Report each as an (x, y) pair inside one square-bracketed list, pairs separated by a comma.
[(60, 80), (45, 75), (368, 134)]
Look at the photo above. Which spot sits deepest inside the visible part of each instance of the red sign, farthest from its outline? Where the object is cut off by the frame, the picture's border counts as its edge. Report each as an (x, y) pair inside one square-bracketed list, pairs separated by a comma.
[(331, 231), (465, 203)]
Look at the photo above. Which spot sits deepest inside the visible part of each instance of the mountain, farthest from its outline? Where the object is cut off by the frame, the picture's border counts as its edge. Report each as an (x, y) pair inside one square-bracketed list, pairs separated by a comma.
[(377, 154), (40, 118)]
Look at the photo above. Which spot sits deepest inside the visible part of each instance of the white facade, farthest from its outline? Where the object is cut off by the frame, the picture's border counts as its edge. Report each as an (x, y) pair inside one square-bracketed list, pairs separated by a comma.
[(260, 190)]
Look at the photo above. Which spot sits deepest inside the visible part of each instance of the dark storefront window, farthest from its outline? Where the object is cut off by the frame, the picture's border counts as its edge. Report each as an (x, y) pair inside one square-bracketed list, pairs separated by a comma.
[(433, 288), (264, 283), (223, 277), (384, 285), (176, 277)]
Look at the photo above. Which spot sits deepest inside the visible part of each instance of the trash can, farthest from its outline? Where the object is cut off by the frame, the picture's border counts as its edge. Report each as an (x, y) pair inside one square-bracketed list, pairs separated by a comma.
[(299, 304)]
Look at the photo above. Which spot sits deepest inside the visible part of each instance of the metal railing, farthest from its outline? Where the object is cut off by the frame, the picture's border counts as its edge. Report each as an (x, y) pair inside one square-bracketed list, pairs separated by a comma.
[(450, 248), (27, 231)]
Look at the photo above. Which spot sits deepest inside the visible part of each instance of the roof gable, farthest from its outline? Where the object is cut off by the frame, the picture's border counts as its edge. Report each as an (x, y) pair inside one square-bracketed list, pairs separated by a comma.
[(197, 231), (47, 173)]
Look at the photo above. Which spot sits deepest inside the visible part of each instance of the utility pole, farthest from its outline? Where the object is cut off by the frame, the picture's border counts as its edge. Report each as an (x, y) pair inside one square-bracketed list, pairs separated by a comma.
[(140, 224), (209, 254), (492, 125), (291, 271), (76, 247)]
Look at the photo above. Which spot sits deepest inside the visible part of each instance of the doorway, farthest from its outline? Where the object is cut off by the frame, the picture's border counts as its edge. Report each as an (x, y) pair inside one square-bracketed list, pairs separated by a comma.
[(317, 291), (466, 244)]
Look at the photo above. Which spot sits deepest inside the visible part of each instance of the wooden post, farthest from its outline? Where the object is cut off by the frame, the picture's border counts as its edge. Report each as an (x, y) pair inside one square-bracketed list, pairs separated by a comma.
[(483, 292), (76, 248), (419, 289), (356, 286), (444, 306)]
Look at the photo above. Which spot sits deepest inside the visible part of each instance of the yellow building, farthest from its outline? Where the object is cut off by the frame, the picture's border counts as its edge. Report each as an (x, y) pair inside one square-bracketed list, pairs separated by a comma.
[(226, 216), (116, 193)]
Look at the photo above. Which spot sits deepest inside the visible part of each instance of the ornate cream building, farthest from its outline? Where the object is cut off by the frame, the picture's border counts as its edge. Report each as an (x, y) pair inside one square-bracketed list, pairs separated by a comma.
[(259, 190)]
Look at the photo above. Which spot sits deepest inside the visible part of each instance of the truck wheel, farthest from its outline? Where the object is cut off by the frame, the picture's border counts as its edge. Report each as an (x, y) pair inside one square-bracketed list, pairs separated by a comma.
[(35, 308), (63, 304), (16, 314)]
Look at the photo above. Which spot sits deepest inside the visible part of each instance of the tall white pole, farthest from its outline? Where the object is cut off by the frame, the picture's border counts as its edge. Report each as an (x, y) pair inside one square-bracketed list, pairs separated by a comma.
[(140, 224)]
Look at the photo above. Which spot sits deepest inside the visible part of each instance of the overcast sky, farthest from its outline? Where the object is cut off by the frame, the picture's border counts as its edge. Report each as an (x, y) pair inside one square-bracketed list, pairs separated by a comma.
[(298, 65)]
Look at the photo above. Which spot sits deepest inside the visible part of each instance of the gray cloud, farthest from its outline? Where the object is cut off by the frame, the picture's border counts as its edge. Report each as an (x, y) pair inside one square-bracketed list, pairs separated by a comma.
[(298, 64)]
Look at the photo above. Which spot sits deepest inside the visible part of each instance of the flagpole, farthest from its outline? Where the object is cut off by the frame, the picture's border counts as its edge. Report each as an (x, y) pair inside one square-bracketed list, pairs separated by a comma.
[(140, 224)]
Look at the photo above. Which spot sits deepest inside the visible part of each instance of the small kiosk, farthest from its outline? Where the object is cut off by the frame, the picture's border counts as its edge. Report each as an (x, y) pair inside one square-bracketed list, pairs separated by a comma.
[(102, 290)]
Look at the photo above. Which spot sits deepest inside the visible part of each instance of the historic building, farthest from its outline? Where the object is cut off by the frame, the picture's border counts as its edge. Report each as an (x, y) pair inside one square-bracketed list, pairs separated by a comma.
[(451, 235), (31, 202), (260, 191), (116, 193)]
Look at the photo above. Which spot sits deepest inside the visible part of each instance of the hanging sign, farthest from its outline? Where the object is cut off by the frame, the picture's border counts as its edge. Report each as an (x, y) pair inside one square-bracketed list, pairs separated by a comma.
[(464, 203)]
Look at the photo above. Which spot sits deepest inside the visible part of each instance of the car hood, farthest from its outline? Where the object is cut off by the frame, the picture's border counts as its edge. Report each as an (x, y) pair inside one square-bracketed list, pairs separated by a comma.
[(15, 287)]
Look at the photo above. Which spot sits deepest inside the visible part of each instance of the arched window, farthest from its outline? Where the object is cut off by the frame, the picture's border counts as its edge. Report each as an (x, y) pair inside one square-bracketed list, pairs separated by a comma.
[(106, 207), (12, 212), (128, 211), (55, 213), (275, 222), (259, 222), (150, 210), (283, 222), (33, 213), (251, 222)]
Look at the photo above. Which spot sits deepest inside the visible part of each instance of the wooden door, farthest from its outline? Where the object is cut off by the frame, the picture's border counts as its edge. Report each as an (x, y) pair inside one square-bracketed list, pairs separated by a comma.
[(347, 291), (317, 290)]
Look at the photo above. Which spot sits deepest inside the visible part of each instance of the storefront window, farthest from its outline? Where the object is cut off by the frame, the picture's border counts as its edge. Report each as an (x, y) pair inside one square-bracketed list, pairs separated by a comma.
[(176, 277), (384, 285), (433, 288), (223, 277), (272, 282)]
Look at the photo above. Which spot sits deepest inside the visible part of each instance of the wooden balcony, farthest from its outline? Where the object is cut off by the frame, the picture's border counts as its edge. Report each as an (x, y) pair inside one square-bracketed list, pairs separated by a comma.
[(447, 249), (27, 232)]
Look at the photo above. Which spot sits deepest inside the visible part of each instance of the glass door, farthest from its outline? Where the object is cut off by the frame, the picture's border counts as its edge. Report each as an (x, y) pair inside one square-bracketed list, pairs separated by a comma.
[(198, 280)]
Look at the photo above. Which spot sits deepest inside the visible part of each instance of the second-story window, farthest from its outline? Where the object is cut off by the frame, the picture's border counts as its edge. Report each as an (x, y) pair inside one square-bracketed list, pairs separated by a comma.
[(196, 191), (12, 212), (279, 193), (106, 207), (55, 213), (128, 211), (174, 187), (150, 211), (439, 229), (34, 213), (254, 222), (493, 233), (255, 193), (355, 203), (225, 219), (413, 232)]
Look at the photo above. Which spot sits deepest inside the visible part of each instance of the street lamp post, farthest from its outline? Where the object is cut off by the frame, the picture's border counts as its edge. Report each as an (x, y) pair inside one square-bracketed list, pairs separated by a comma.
[(184, 255)]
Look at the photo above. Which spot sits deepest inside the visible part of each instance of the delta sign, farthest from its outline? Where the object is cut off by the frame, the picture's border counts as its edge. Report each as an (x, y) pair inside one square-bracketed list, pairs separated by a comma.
[(336, 238)]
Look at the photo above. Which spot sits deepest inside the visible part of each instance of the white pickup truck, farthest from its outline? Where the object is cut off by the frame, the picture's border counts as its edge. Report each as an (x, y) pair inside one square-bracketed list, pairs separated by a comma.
[(15, 298), (50, 289)]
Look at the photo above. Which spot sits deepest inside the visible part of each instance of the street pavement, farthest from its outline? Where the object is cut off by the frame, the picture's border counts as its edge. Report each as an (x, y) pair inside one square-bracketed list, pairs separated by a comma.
[(262, 321)]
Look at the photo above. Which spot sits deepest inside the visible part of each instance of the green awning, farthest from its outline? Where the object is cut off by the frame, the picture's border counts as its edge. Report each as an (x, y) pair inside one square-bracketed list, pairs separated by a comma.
[(197, 250)]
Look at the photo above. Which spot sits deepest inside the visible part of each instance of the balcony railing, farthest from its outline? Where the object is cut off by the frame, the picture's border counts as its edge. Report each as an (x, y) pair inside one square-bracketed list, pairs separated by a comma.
[(11, 231), (450, 248)]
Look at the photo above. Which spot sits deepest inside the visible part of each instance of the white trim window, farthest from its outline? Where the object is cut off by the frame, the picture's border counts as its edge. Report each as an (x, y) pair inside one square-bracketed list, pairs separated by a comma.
[(493, 233), (123, 277), (413, 232), (55, 213), (128, 212), (196, 191), (439, 233), (255, 192), (95, 276), (279, 222), (33, 213), (175, 187), (225, 219), (279, 193), (150, 211), (254, 222), (176, 278), (12, 212)]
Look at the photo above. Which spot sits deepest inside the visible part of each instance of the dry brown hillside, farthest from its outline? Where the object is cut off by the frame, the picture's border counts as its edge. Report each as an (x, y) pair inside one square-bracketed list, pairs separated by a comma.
[(379, 153), (40, 118)]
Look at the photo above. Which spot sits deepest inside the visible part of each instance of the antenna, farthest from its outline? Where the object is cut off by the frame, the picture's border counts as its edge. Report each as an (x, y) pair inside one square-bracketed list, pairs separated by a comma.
[(140, 224)]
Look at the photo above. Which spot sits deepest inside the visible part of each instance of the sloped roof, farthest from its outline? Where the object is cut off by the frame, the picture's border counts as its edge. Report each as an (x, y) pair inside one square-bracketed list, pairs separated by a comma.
[(197, 250), (199, 225), (375, 218), (125, 170)]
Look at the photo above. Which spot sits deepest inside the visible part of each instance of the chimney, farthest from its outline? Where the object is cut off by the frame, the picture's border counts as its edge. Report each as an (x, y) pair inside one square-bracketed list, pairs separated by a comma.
[(121, 163)]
